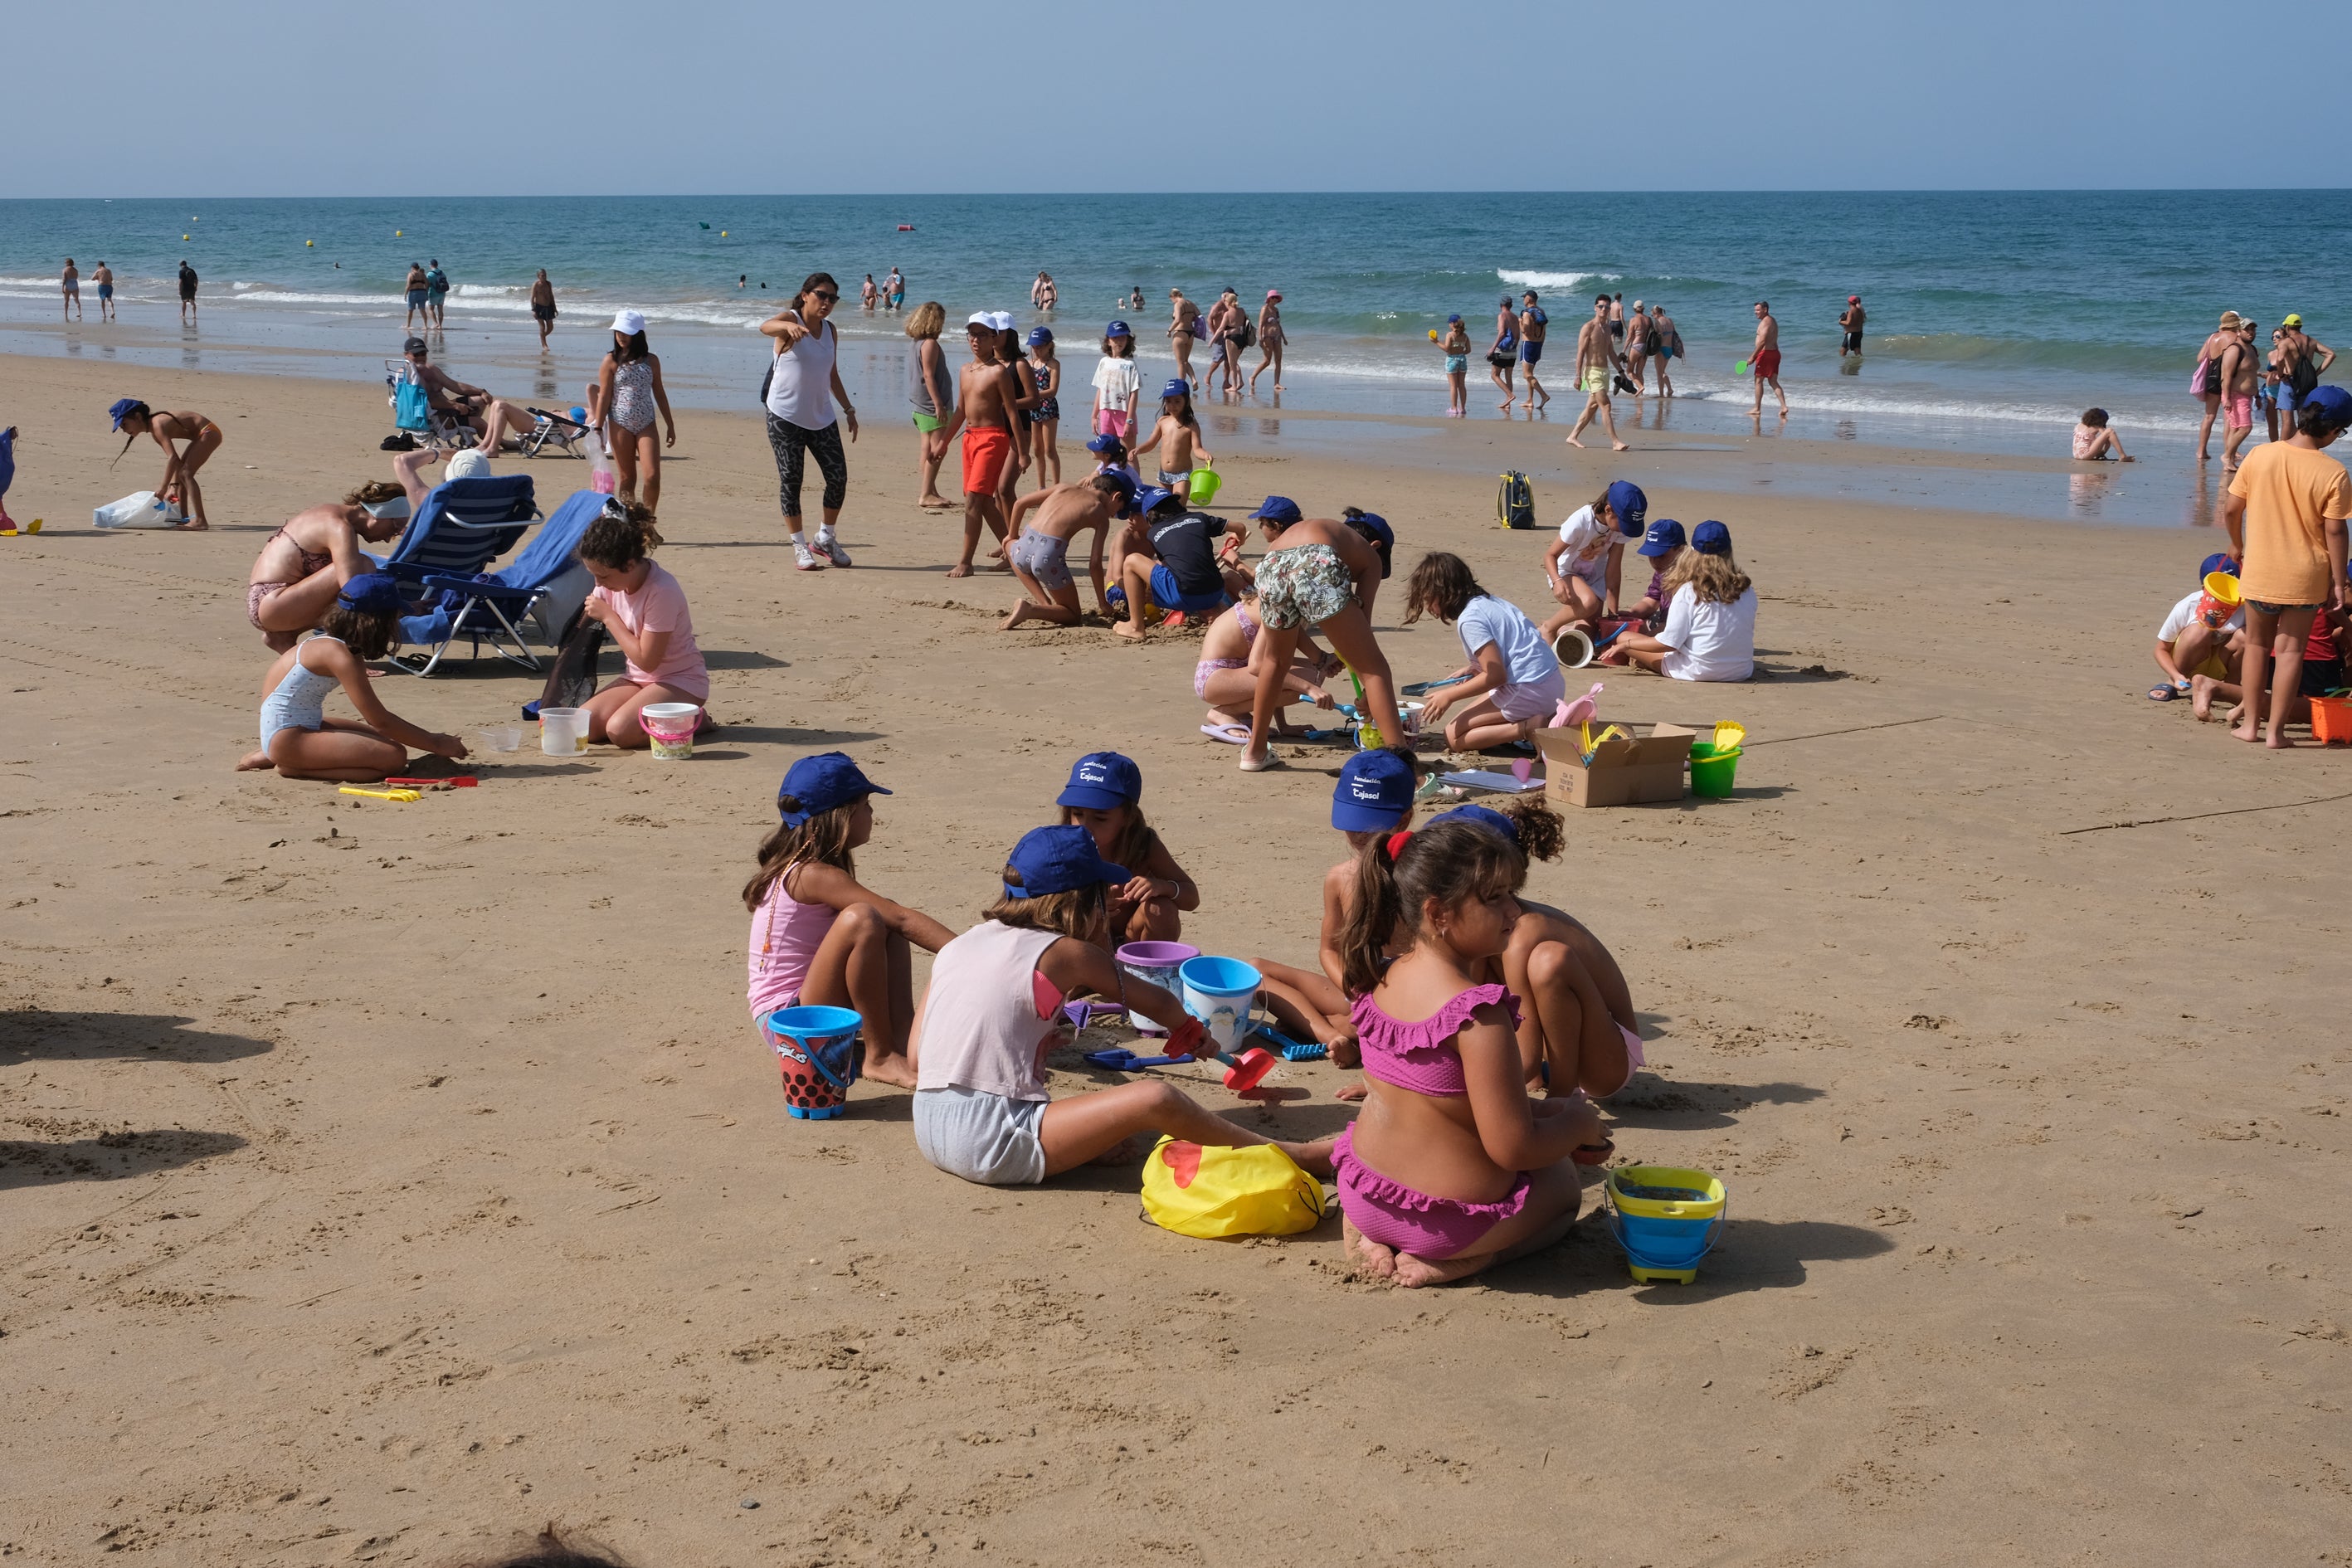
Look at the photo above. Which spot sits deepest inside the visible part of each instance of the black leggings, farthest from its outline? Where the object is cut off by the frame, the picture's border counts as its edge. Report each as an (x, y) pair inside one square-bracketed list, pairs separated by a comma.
[(791, 445)]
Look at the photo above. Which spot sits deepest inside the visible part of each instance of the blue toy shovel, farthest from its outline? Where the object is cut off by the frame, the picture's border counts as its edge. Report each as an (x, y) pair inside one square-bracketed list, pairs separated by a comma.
[(1123, 1060)]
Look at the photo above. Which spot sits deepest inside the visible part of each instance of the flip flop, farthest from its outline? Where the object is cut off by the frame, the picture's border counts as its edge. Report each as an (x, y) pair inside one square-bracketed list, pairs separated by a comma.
[(1268, 764), (2164, 693), (1232, 734)]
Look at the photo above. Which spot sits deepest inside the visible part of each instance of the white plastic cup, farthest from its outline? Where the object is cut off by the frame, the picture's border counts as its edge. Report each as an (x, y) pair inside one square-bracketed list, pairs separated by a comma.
[(500, 737), (563, 732)]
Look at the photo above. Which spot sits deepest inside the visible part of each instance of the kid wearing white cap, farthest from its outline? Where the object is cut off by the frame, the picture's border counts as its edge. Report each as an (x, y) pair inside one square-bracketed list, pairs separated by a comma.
[(627, 395)]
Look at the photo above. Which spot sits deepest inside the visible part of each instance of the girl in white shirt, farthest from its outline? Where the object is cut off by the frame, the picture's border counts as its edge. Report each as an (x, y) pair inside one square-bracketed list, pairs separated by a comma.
[(1512, 684), (1710, 630), (1118, 384)]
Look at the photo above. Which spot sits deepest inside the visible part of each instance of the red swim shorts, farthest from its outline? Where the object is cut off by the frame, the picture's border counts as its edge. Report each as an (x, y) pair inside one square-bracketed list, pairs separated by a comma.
[(1768, 364), (985, 449)]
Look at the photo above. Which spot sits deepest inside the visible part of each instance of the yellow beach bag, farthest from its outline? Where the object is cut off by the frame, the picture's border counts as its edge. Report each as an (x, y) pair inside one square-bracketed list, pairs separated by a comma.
[(1208, 1192)]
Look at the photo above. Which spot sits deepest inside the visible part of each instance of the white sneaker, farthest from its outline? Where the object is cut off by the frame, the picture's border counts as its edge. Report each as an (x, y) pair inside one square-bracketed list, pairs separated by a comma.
[(806, 559), (830, 547)]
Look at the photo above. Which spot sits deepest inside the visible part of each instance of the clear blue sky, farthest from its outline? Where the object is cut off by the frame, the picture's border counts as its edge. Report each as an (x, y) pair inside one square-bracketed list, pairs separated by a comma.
[(134, 97)]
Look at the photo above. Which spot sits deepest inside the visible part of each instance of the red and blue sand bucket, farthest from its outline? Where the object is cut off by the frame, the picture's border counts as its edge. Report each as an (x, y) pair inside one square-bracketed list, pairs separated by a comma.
[(817, 1049)]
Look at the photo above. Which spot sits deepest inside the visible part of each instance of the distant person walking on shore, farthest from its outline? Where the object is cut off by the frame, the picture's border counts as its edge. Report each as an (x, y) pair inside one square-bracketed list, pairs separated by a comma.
[(437, 294), (1597, 359), (71, 280), (1617, 318), (1850, 324), (1270, 340), (932, 395), (2241, 373), (188, 293), (543, 307), (1670, 343), (867, 294), (1454, 343), (1637, 347), (2285, 511), (803, 387), (1765, 359), (1504, 352), (2302, 359), (2207, 387), (894, 289), (104, 278), (412, 290), (1533, 325), (1182, 314)]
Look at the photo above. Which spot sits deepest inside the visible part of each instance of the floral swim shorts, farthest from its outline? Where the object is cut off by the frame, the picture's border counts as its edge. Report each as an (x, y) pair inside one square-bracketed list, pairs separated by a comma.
[(1306, 586)]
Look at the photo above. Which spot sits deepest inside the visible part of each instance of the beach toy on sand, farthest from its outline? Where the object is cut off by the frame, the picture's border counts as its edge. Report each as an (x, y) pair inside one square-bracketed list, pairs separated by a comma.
[(459, 780), (562, 731), (1206, 482), (1245, 1071), (399, 795), (1578, 712), (500, 737), (1666, 1217), (1423, 688), (1121, 1059), (1219, 992), (817, 1049), (1728, 734), (1712, 768), (2221, 599), (669, 728), (1572, 647), (1156, 964), (2331, 720), (1295, 1050)]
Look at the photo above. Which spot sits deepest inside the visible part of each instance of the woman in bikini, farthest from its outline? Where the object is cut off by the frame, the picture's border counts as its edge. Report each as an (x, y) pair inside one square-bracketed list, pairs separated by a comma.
[(627, 395), (313, 554), (1269, 341), (1182, 313), (1452, 1167), (135, 419)]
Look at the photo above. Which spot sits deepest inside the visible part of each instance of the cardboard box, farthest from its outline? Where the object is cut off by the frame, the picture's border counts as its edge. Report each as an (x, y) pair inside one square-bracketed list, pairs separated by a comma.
[(1642, 771)]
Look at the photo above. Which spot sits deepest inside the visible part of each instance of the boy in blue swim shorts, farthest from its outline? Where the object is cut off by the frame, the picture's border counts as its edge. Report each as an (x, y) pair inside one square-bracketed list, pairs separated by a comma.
[(1167, 554)]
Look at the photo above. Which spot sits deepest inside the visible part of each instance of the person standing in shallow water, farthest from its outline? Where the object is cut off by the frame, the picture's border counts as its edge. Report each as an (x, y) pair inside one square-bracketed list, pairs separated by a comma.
[(543, 307), (1504, 352)]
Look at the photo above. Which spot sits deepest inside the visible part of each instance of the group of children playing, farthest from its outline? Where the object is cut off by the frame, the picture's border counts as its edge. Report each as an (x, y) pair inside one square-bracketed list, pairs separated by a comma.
[(1485, 1025), (2200, 646)]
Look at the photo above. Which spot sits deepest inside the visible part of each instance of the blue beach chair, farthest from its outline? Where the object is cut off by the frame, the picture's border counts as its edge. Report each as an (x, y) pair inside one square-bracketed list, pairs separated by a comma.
[(462, 527), (534, 599)]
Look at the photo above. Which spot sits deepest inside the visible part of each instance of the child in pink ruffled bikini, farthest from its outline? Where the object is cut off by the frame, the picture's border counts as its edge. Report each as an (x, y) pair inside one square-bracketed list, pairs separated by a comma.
[(1451, 1168)]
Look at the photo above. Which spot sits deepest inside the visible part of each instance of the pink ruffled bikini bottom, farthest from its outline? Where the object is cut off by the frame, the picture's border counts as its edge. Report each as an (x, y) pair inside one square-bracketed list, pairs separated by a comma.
[(1396, 1216)]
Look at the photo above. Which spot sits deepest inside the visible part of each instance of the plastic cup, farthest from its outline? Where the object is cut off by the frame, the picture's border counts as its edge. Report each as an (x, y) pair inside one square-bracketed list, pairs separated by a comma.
[(563, 732), (500, 737), (1219, 992), (1155, 962)]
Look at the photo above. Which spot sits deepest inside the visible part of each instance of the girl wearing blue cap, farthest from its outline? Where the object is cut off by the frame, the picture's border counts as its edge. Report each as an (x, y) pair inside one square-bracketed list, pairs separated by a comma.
[(1178, 436), (1103, 796), (1710, 627), (992, 1014), (821, 938), (1586, 564), (1045, 419), (297, 737), (1118, 384)]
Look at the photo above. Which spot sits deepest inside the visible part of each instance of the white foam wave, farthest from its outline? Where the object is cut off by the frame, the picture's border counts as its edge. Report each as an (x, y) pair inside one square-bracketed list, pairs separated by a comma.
[(1563, 280), (485, 290), (1809, 402)]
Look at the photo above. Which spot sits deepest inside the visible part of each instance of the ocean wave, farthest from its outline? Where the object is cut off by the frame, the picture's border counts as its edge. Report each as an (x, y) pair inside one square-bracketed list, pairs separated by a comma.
[(486, 291), (1556, 281), (1809, 402)]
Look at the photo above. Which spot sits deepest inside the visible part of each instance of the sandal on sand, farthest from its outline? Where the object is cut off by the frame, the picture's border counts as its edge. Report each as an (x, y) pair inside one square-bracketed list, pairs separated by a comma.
[(2166, 692), (1263, 764), (1232, 734)]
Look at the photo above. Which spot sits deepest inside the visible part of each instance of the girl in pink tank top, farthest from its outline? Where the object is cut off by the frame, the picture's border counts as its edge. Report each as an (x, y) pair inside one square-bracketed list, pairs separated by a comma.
[(991, 1015), (820, 937), (1451, 1167)]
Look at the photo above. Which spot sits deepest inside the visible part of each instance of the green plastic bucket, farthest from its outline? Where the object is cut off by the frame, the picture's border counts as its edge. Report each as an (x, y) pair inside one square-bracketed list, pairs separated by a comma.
[(1711, 770)]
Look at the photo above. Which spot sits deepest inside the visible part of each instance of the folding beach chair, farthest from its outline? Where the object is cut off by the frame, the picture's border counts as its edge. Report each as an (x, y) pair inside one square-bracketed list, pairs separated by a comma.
[(413, 414), (535, 598), (560, 431), (463, 526)]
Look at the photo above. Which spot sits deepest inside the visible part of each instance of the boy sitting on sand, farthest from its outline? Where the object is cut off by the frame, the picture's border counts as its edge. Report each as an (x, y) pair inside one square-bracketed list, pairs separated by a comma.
[(2190, 643)]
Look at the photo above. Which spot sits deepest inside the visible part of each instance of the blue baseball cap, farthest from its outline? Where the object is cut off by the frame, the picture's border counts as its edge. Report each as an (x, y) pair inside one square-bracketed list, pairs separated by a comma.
[(1493, 821), (1375, 528), (1451, 319), (1374, 793), (1106, 443), (1126, 490), (1101, 781), (1056, 860), (121, 407), (1711, 539), (1632, 507), (2220, 560), (370, 594), (1176, 387), (1040, 335), (820, 782), (1664, 534), (1116, 329), (2334, 400), (1276, 509), (1151, 498)]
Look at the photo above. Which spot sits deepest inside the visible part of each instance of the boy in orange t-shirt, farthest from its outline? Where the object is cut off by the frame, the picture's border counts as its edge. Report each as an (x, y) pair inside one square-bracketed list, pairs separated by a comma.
[(2285, 512)]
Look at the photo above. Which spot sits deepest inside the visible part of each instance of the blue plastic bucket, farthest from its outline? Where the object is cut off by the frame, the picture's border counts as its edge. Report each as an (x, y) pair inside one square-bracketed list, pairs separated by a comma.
[(1219, 992), (816, 1047), (1666, 1218)]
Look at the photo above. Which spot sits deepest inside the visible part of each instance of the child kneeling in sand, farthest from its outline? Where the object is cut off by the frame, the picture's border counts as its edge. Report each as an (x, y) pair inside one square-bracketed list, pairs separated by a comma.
[(1451, 1167), (1512, 683), (1710, 628), (1040, 551), (2188, 643), (644, 609), (297, 737), (1105, 796), (990, 1015), (820, 937)]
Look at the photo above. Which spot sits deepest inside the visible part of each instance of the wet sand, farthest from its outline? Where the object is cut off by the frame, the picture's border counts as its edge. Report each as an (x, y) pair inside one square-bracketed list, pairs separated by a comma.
[(380, 1180)]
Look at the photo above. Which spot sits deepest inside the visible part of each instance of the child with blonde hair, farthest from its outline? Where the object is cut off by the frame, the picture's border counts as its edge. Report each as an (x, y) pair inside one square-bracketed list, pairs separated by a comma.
[(1105, 796), (819, 937), (932, 395), (1710, 627), (991, 1013), (1451, 1168)]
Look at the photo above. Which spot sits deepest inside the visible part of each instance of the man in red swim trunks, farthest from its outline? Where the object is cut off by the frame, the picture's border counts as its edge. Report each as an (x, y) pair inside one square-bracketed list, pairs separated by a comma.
[(1764, 360), (986, 391)]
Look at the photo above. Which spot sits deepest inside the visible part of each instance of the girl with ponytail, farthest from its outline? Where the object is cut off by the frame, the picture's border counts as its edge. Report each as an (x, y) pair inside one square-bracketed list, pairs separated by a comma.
[(1451, 1168)]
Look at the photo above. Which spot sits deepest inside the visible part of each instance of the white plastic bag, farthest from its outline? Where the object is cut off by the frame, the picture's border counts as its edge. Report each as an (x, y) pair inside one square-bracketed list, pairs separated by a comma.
[(141, 511)]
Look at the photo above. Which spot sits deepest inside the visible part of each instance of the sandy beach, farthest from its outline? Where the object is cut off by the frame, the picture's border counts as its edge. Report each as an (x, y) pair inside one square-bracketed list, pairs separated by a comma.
[(381, 1180)]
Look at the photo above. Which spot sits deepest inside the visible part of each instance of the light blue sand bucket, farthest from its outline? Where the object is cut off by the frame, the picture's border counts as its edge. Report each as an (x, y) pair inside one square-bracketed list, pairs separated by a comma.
[(1219, 992), (816, 1047), (1666, 1217)]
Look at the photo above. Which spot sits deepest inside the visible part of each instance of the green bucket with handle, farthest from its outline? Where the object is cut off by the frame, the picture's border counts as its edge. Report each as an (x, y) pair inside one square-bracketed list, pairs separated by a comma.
[(1711, 769)]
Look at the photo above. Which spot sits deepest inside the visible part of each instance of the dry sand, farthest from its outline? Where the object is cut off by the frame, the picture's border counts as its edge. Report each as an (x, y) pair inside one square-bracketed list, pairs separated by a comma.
[(378, 1180)]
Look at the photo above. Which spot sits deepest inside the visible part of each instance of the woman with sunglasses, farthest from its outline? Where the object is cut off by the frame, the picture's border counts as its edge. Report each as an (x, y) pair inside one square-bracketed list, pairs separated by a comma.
[(804, 385)]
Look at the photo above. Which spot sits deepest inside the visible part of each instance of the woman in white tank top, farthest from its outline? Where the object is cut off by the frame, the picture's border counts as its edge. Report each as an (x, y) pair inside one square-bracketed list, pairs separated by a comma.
[(802, 387)]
